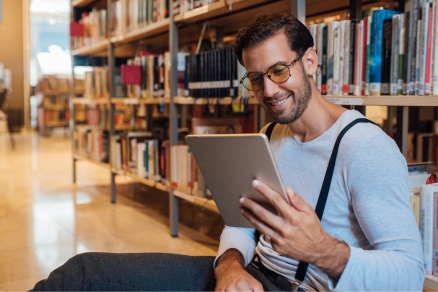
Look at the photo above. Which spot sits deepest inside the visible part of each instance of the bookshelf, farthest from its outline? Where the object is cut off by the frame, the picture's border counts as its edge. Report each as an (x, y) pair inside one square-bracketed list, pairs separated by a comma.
[(169, 34), (53, 95)]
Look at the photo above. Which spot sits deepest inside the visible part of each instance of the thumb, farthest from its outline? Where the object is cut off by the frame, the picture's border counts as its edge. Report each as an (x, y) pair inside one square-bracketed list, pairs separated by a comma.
[(296, 201)]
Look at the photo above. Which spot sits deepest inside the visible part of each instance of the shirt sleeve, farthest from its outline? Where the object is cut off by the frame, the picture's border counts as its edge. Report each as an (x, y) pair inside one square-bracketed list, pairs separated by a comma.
[(378, 184), (242, 239)]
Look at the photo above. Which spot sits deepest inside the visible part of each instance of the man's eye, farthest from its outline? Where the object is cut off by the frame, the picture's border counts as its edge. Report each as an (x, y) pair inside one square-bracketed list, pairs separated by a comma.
[(278, 70), (255, 78)]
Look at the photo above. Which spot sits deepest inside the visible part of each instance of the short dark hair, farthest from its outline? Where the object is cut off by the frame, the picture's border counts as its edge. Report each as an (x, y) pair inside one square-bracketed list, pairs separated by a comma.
[(265, 26)]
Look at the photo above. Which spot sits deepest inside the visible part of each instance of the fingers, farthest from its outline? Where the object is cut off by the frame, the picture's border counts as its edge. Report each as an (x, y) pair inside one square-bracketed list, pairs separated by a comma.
[(297, 202), (262, 219), (277, 200)]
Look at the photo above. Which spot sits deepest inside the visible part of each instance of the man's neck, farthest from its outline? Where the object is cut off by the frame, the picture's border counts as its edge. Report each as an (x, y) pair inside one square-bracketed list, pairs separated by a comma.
[(319, 116)]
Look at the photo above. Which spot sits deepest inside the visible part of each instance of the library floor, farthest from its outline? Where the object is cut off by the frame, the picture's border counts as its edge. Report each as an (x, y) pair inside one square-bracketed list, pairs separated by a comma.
[(45, 219)]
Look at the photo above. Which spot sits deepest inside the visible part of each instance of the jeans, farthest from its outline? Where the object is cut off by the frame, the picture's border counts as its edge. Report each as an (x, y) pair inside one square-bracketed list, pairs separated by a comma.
[(142, 272)]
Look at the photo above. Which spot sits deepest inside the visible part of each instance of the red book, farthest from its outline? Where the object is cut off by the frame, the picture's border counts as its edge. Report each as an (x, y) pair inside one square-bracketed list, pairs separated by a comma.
[(429, 51), (131, 74), (76, 29)]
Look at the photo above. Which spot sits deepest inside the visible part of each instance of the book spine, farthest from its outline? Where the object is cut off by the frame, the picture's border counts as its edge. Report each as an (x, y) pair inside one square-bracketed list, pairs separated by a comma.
[(365, 90), (435, 235), (423, 56), (435, 54), (351, 69), (386, 57), (394, 53), (347, 48), (336, 58), (330, 56), (419, 51), (412, 57), (426, 224), (358, 59), (427, 77), (401, 56)]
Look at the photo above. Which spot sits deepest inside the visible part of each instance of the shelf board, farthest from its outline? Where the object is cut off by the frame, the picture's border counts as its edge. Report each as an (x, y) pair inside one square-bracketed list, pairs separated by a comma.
[(55, 107), (431, 282), (148, 182), (81, 3), (387, 100), (134, 101), (223, 100), (152, 29), (56, 124), (202, 202), (99, 49), (82, 157), (216, 10), (89, 101)]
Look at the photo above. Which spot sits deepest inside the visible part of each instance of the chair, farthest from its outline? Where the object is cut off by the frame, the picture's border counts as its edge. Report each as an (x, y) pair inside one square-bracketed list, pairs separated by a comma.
[(4, 108)]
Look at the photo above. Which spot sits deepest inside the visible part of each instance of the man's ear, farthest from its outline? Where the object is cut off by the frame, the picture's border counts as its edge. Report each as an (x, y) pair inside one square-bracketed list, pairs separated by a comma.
[(310, 61)]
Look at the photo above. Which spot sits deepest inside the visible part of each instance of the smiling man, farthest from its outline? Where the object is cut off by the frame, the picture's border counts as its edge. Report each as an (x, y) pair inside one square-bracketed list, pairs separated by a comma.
[(367, 239)]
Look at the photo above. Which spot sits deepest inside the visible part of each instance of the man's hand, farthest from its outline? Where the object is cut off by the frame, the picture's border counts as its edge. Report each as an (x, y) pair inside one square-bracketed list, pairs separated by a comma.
[(231, 275), (296, 231)]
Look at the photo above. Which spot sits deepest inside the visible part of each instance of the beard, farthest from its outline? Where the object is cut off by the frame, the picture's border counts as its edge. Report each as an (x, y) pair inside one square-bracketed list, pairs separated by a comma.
[(300, 101)]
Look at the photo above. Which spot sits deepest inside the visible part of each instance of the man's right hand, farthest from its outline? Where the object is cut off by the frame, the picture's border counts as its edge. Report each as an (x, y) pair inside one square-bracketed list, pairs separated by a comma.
[(231, 275)]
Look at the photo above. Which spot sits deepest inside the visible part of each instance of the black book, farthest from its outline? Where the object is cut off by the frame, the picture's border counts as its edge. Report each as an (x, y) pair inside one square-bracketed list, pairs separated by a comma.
[(353, 24), (386, 56)]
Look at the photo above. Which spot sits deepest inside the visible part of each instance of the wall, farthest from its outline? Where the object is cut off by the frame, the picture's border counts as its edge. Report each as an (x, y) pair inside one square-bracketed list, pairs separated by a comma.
[(11, 55)]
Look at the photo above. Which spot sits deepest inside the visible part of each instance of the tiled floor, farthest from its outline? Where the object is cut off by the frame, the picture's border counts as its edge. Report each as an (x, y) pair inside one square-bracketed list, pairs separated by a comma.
[(45, 219)]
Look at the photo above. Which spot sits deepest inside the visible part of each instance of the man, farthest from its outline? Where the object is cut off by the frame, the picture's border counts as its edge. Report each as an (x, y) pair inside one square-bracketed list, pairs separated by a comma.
[(367, 239)]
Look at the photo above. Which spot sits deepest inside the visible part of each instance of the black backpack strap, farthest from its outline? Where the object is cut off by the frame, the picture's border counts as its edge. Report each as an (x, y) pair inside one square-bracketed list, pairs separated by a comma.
[(269, 130), (322, 200)]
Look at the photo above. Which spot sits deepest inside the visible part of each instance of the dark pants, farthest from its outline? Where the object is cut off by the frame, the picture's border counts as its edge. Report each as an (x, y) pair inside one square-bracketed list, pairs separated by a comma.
[(142, 271)]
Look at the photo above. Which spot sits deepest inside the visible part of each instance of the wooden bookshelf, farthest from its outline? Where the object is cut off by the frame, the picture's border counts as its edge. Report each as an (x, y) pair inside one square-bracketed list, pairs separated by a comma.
[(202, 202), (98, 49), (81, 3), (431, 282), (217, 9), (142, 32), (148, 182), (90, 101), (78, 156), (386, 100), (135, 101)]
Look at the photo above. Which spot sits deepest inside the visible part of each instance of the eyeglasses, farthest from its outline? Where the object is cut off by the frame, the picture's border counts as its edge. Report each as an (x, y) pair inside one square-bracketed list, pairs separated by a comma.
[(278, 73)]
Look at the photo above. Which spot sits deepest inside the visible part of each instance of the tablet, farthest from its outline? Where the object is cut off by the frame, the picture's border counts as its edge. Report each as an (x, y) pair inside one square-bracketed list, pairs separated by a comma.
[(229, 163)]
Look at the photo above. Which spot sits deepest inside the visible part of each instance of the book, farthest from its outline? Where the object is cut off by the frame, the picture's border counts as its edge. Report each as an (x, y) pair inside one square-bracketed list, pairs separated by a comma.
[(435, 52), (376, 49), (347, 48), (386, 57), (426, 223)]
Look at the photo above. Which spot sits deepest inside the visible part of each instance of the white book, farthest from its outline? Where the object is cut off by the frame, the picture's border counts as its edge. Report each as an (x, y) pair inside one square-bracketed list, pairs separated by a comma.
[(426, 224), (401, 53), (342, 26), (330, 57), (319, 44), (141, 169), (423, 49), (336, 57), (435, 52), (347, 48)]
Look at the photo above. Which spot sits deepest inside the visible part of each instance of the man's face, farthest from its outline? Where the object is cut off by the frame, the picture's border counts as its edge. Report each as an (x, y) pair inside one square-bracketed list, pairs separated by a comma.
[(284, 101)]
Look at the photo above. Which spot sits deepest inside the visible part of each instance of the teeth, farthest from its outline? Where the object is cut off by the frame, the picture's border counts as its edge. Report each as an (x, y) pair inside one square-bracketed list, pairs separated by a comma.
[(279, 102)]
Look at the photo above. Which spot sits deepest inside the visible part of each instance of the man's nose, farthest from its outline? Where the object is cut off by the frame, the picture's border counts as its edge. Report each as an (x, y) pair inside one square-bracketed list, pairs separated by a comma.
[(270, 88)]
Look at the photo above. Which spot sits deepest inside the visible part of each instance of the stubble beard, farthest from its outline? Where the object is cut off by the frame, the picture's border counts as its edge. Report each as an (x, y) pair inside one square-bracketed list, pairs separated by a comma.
[(300, 101)]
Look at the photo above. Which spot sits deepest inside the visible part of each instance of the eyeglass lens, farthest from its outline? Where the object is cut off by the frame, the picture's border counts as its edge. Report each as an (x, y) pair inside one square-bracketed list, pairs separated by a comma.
[(278, 73)]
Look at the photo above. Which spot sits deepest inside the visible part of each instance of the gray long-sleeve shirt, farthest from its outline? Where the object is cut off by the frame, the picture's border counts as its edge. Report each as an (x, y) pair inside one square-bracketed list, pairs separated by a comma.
[(368, 207)]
